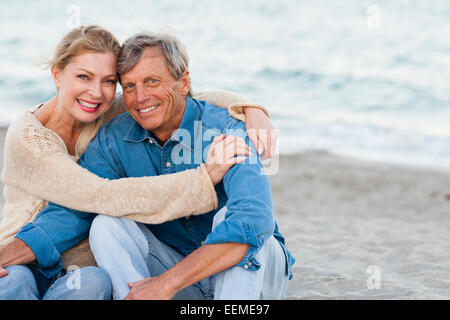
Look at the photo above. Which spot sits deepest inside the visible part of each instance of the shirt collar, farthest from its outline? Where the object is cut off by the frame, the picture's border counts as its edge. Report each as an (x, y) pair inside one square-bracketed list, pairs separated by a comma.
[(187, 126)]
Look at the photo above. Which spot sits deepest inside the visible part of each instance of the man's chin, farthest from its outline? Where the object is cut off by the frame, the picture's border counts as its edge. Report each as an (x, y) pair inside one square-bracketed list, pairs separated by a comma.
[(148, 125), (145, 122)]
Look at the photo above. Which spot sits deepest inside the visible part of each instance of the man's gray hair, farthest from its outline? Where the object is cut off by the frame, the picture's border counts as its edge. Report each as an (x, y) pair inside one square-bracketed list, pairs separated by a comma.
[(175, 52)]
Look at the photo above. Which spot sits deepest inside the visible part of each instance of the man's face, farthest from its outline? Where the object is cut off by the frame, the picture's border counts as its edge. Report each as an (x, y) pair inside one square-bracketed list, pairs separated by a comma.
[(153, 97)]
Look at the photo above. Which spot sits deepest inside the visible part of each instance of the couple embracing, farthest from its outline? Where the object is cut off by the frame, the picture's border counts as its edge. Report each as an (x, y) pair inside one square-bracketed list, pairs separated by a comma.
[(100, 181)]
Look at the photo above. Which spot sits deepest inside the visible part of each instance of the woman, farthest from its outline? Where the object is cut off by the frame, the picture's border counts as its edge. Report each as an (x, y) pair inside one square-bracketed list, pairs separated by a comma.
[(42, 148)]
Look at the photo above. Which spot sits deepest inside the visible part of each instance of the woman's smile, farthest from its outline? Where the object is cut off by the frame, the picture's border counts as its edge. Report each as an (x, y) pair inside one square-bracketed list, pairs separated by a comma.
[(88, 106)]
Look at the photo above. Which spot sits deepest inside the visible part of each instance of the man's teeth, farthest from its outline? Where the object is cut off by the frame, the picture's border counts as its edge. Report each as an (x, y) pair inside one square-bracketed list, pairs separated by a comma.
[(88, 105), (148, 109)]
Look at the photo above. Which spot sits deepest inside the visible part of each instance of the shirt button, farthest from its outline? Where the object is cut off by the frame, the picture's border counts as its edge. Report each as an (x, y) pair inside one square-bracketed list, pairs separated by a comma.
[(151, 141), (168, 164), (245, 266)]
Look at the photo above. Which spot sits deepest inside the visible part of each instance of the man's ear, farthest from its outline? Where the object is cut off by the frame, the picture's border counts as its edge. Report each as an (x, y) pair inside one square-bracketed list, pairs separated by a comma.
[(55, 74), (186, 83)]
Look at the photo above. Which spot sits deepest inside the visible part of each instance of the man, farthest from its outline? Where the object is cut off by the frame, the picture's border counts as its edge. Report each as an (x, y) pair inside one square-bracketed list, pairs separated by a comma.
[(234, 253)]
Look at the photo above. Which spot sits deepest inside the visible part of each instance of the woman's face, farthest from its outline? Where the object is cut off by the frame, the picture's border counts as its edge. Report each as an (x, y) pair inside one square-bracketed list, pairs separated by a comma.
[(87, 85)]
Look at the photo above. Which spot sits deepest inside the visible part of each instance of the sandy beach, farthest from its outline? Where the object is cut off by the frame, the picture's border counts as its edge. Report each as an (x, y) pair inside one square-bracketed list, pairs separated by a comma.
[(361, 230)]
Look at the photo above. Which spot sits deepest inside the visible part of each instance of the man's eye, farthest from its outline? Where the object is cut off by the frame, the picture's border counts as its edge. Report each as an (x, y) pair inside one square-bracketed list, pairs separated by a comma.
[(152, 81), (129, 86)]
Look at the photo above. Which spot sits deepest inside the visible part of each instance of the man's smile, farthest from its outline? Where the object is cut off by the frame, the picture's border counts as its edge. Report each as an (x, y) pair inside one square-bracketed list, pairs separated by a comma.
[(148, 109)]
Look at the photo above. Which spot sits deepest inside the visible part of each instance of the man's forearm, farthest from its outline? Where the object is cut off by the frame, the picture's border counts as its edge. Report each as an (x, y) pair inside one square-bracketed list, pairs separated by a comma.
[(16, 252), (202, 263)]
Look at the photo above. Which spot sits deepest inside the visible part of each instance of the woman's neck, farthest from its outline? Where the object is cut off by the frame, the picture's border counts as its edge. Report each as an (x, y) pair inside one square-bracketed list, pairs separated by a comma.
[(53, 116)]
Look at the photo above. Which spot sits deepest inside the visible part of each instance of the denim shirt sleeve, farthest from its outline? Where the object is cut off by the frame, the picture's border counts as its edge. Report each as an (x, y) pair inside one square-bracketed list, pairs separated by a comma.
[(250, 216), (57, 229)]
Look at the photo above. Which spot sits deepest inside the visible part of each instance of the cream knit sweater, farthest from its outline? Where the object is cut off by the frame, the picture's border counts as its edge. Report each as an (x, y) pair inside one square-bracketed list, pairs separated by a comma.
[(38, 169)]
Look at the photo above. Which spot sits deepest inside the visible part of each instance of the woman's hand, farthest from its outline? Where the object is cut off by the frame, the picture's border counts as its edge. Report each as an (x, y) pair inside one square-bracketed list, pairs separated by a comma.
[(223, 154), (261, 132)]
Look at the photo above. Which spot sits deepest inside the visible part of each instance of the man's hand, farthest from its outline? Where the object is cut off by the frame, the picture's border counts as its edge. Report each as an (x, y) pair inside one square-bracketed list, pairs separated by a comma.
[(261, 132), (15, 252), (203, 262), (151, 288), (3, 272)]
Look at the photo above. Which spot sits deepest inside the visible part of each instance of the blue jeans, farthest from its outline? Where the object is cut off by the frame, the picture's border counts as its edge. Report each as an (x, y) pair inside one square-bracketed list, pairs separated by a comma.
[(27, 283), (129, 252)]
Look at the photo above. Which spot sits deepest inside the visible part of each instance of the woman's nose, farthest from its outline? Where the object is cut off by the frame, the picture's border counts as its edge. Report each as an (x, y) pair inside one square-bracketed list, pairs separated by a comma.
[(96, 91)]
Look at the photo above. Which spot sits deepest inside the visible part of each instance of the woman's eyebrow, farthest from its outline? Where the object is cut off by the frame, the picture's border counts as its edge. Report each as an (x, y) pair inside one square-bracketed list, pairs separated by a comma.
[(91, 73), (87, 71)]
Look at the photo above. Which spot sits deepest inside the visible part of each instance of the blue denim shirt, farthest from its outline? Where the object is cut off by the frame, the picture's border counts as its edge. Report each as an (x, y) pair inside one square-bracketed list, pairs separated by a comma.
[(122, 148)]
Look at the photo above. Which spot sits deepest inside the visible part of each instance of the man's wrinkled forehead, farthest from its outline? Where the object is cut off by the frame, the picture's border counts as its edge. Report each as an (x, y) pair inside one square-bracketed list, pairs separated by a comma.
[(150, 53)]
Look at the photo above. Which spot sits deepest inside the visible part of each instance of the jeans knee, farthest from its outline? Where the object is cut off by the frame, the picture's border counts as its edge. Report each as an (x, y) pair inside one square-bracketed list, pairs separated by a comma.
[(101, 224), (103, 227), (88, 283), (17, 276), (97, 283), (109, 233), (18, 284)]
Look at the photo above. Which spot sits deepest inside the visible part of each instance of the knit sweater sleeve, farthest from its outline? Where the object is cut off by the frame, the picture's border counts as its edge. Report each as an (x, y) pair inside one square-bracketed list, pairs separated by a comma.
[(36, 161)]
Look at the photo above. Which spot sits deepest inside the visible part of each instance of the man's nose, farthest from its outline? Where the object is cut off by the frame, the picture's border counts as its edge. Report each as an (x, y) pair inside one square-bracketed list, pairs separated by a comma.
[(141, 94)]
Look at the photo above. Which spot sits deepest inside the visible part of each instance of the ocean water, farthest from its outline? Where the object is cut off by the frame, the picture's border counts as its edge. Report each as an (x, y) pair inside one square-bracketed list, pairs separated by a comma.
[(367, 79)]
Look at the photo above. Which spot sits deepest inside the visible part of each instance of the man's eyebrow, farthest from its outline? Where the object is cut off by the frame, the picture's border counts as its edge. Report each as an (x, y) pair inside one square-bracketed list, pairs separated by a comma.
[(124, 84), (151, 77)]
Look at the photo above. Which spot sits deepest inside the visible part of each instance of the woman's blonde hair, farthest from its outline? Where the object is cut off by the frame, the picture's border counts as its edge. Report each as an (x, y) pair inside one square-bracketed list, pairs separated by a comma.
[(83, 39)]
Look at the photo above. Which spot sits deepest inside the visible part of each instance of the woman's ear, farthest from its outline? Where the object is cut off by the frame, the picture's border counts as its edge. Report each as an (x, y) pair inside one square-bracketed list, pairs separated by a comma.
[(55, 74), (186, 82)]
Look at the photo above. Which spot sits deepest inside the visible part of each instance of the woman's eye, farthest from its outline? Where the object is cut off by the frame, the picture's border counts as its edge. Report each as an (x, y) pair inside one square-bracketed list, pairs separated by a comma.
[(111, 82), (82, 76)]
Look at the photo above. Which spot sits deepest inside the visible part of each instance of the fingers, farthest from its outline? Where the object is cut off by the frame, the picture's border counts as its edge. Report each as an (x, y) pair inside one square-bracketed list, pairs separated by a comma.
[(236, 160), (253, 136), (135, 284), (267, 146), (3, 272), (217, 139), (223, 149), (234, 140), (265, 141), (231, 152), (214, 145), (274, 141), (224, 153)]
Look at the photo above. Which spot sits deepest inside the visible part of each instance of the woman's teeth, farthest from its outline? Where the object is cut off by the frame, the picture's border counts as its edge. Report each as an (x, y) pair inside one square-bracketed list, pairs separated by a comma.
[(88, 105), (148, 109)]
